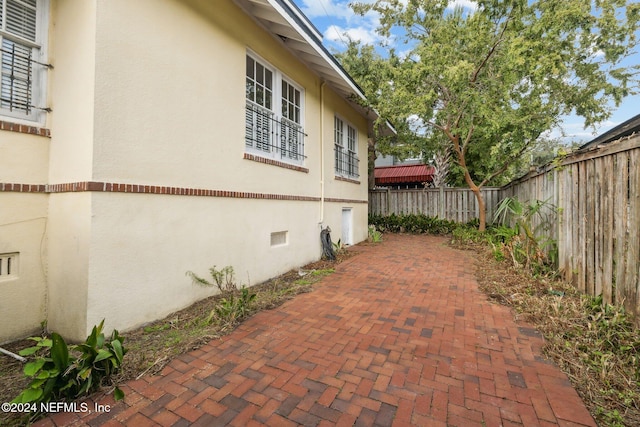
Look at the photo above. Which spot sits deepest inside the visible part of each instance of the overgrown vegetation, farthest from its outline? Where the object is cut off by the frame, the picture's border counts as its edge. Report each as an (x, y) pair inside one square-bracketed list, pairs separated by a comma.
[(235, 304), (595, 343), (61, 372), (412, 223), (528, 242)]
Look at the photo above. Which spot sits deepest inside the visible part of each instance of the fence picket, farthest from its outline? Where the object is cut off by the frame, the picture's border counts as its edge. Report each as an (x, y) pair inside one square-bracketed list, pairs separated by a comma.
[(596, 224)]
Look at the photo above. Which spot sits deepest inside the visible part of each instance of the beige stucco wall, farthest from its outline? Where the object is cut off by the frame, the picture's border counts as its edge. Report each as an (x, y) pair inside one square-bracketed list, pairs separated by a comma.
[(23, 224), (71, 89), (185, 124), (24, 158), (142, 246), (153, 92), (69, 230), (71, 92)]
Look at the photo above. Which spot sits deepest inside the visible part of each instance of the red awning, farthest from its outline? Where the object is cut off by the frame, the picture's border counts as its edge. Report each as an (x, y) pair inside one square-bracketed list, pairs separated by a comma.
[(403, 174)]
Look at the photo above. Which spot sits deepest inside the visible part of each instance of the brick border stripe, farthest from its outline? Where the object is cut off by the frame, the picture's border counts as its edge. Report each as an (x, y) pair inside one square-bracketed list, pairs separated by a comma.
[(332, 200), (272, 162), (341, 178), (109, 187), (31, 130)]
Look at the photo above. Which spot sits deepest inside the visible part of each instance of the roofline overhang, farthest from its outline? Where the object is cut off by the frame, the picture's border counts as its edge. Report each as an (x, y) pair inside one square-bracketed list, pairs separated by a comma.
[(326, 66), (294, 16)]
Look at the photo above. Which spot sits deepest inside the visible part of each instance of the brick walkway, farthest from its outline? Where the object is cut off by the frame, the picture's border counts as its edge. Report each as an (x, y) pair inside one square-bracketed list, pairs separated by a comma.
[(400, 335)]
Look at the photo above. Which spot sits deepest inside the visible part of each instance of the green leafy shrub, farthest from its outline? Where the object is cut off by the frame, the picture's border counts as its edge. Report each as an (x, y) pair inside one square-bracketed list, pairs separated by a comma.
[(375, 236), (527, 242), (412, 223), (64, 372), (464, 234)]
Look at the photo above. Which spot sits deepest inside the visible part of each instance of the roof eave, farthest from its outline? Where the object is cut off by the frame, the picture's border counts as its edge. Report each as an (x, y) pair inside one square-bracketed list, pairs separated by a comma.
[(307, 46)]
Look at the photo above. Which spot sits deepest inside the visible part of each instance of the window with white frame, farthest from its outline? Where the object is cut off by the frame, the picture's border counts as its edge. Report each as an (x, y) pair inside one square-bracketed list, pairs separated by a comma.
[(274, 111), (346, 149), (22, 44)]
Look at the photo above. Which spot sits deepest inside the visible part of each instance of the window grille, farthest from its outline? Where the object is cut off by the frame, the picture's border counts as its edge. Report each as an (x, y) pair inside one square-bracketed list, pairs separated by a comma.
[(347, 162), (273, 114), (346, 156), (18, 49)]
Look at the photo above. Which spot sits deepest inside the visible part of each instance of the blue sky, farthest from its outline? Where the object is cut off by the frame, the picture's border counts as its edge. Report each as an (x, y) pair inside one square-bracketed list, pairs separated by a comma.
[(336, 21)]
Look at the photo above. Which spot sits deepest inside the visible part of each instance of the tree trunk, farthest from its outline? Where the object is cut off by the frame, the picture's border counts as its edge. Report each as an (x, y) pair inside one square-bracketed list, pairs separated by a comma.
[(482, 211), (482, 214), (371, 160)]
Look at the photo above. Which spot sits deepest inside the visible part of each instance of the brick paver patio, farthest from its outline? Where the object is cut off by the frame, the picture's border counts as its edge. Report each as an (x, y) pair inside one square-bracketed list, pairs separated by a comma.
[(399, 335)]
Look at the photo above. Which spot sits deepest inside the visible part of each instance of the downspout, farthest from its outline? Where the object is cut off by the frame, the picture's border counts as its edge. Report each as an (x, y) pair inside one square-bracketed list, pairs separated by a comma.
[(322, 153)]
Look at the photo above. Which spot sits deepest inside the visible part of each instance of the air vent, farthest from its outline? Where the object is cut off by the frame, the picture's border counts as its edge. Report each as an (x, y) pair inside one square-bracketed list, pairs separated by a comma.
[(8, 265), (279, 238)]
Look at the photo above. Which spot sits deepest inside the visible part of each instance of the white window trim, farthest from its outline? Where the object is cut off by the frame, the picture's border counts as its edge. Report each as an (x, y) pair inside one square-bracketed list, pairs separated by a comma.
[(276, 108), (344, 145), (39, 82)]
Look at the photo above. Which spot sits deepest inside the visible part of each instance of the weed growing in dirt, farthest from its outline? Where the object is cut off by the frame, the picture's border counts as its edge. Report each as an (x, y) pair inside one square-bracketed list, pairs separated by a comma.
[(594, 343)]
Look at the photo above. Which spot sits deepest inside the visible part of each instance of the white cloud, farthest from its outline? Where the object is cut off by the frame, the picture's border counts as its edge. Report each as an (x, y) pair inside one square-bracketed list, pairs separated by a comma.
[(575, 131), (337, 34), (465, 4), (340, 22)]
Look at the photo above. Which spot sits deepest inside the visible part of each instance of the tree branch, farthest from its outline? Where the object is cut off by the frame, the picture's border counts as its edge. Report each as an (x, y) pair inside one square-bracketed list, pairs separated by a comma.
[(492, 50), (507, 163), (466, 141)]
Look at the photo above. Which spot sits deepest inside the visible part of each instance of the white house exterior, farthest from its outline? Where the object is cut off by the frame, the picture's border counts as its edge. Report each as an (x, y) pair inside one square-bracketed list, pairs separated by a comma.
[(142, 139)]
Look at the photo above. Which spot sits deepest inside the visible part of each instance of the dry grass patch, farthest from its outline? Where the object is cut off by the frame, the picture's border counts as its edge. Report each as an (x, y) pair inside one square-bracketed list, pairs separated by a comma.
[(595, 344)]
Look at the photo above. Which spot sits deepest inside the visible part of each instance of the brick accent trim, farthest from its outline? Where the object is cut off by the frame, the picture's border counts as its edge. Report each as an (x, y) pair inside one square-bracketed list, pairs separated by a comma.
[(253, 157), (32, 130), (332, 200), (110, 187), (23, 188), (352, 181)]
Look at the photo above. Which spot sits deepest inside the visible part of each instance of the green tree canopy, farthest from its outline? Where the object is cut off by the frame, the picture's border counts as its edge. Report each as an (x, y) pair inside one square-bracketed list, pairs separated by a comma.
[(490, 81)]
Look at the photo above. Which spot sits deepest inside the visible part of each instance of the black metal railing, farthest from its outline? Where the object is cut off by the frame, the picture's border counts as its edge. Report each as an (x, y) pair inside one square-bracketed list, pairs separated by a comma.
[(16, 85), (277, 136), (347, 163)]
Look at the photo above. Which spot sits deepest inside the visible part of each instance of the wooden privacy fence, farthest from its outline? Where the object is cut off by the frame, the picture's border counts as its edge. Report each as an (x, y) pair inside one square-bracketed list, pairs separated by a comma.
[(597, 221), (592, 204), (454, 204)]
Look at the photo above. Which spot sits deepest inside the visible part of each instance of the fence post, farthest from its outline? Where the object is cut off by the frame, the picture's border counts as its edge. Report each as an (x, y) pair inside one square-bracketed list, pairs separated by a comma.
[(441, 202), (388, 201)]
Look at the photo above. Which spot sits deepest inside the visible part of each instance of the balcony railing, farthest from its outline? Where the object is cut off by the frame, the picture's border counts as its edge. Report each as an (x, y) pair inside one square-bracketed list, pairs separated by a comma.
[(276, 136)]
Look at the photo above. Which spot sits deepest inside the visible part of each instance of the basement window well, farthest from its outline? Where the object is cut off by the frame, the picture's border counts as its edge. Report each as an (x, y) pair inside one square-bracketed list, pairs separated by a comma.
[(279, 238), (8, 266)]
